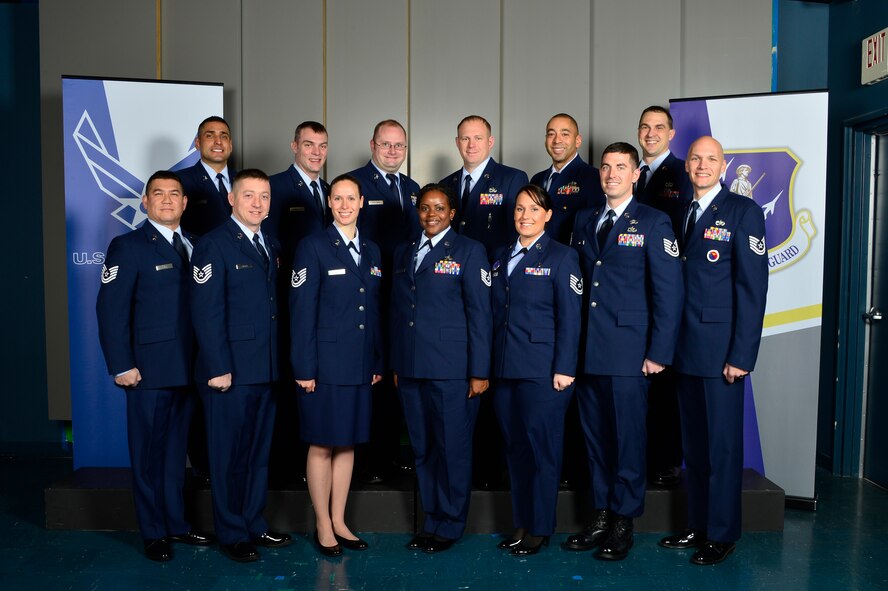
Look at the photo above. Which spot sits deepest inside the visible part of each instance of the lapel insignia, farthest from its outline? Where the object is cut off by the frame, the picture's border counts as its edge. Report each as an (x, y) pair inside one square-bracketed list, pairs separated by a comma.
[(633, 222), (757, 245), (109, 275), (485, 277), (719, 223), (496, 264), (635, 240), (375, 177), (486, 175), (631, 228), (576, 284), (298, 278), (671, 247), (203, 274)]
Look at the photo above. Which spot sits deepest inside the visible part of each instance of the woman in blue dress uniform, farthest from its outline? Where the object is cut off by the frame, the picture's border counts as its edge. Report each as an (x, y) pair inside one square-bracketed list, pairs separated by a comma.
[(336, 354), (537, 291), (440, 353)]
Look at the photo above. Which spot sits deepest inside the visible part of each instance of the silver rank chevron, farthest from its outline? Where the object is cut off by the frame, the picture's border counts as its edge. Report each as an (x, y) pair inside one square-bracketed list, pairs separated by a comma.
[(485, 277), (671, 247), (297, 279), (203, 274), (757, 245), (576, 284), (109, 275)]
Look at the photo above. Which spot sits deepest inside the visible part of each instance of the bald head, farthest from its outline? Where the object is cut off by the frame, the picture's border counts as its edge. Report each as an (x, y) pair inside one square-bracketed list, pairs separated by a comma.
[(705, 164)]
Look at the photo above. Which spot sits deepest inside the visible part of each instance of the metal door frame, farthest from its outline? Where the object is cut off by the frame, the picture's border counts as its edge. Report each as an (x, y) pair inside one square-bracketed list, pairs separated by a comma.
[(854, 290)]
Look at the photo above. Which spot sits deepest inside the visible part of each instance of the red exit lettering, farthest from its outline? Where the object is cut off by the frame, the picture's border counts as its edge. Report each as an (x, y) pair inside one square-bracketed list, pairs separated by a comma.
[(875, 50)]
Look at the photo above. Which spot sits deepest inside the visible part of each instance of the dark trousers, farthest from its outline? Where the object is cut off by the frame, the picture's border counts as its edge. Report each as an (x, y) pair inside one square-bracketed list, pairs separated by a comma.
[(663, 423), (440, 421), (240, 423), (531, 416), (712, 435), (612, 413), (157, 431)]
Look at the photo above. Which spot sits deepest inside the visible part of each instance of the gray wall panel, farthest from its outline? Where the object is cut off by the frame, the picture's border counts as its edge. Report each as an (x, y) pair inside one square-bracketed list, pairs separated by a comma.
[(283, 77), (546, 65), (201, 42), (636, 62), (726, 47), (454, 72), (82, 42), (366, 75)]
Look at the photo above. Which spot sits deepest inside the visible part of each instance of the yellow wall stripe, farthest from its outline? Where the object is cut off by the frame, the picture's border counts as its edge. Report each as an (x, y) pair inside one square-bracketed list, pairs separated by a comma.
[(796, 315)]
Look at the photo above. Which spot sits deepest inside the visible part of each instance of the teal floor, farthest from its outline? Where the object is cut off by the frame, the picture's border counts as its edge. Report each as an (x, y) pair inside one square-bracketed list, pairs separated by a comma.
[(843, 545)]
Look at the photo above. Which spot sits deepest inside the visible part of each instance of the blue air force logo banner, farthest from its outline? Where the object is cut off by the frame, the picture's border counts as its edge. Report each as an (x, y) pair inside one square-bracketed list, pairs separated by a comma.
[(116, 134), (775, 150)]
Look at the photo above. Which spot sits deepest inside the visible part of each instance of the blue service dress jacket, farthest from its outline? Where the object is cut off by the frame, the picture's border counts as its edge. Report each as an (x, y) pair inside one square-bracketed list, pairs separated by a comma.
[(382, 219), (577, 186), (488, 215), (143, 309), (669, 190), (536, 312), (633, 288), (725, 267), (234, 307), (295, 212), (334, 311), (441, 323), (207, 207)]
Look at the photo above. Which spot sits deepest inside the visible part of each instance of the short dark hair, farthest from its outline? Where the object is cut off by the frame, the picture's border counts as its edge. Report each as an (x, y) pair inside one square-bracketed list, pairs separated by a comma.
[(622, 148), (387, 123), (163, 175), (468, 118), (537, 194), (312, 125), (347, 177), (566, 116), (213, 119), (441, 188), (248, 173), (656, 109)]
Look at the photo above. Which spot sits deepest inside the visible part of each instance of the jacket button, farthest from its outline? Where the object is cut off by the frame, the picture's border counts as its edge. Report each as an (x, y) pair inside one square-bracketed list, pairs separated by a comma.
[(594, 304), (410, 323), (597, 263), (361, 290), (361, 326), (360, 308), (684, 258), (594, 284)]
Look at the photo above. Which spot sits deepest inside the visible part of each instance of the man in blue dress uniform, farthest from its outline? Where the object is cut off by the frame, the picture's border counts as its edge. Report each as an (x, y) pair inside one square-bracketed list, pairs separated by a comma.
[(571, 183), (725, 265), (388, 218), (663, 184), (146, 336), (208, 182), (632, 276), (234, 309)]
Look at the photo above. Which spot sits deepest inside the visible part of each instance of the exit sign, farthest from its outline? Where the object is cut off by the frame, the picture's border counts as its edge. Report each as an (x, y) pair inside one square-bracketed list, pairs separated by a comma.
[(874, 65)]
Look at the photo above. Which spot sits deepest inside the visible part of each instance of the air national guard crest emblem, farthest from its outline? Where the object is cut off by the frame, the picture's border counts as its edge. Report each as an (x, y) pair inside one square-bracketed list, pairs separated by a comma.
[(767, 176)]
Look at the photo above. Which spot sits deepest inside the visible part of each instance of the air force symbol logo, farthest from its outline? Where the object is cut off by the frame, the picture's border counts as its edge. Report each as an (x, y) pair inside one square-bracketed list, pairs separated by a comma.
[(109, 275), (298, 278), (576, 284), (202, 275), (767, 176), (671, 247), (485, 277)]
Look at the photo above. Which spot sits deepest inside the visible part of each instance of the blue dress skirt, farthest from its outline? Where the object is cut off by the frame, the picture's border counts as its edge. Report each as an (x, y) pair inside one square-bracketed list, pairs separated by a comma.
[(335, 415)]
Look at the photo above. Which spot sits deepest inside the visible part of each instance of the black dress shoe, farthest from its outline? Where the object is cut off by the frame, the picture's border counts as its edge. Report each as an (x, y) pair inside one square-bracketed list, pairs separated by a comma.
[(712, 553), (419, 541), (513, 540), (592, 536), (618, 542), (273, 539), (193, 538), (691, 538), (668, 478), (530, 545), (331, 551), (240, 552), (357, 544), (438, 544), (159, 550)]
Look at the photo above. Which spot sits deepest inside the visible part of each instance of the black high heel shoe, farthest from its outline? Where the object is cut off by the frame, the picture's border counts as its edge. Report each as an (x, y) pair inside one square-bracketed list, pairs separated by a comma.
[(357, 544), (513, 540), (331, 551), (530, 545)]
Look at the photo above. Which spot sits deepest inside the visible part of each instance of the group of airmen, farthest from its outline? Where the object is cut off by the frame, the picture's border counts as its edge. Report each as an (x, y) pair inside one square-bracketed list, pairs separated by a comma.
[(627, 299)]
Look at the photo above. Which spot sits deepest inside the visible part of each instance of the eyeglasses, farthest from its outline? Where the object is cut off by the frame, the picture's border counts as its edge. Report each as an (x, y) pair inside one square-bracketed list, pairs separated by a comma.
[(389, 146)]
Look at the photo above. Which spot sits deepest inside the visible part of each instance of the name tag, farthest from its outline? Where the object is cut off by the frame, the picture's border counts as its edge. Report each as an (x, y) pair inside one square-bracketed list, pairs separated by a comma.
[(336, 272), (376, 202), (294, 209), (243, 266), (163, 267)]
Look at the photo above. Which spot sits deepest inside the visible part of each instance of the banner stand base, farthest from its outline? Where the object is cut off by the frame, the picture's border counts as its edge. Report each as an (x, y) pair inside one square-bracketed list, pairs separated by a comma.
[(804, 503)]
